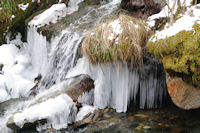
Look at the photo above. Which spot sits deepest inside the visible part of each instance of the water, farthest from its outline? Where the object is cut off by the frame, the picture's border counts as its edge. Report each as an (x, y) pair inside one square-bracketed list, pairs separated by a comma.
[(64, 48), (52, 61), (116, 85), (169, 119)]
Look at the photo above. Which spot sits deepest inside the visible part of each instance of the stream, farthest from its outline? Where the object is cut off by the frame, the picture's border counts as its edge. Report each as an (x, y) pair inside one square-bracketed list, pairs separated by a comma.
[(139, 92)]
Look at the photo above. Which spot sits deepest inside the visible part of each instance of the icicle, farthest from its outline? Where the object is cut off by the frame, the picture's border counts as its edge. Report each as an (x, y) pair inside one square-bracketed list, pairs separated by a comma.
[(116, 86)]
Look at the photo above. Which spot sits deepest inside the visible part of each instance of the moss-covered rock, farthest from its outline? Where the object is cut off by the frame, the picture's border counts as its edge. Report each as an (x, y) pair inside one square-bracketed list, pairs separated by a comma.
[(105, 44), (52, 29), (14, 20), (180, 53)]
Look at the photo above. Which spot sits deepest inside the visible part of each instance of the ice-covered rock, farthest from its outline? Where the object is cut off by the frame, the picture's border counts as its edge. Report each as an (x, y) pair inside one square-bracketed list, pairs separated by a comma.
[(56, 112)]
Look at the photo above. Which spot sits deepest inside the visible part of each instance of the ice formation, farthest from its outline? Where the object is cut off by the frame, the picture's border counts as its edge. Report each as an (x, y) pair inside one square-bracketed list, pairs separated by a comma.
[(58, 111), (86, 109), (116, 85)]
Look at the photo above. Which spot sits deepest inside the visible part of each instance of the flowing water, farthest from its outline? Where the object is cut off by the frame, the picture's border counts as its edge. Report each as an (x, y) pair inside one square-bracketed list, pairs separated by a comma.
[(116, 85)]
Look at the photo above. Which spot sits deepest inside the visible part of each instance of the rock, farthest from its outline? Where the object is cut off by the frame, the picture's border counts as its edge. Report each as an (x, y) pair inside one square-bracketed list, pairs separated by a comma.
[(142, 127), (27, 126), (82, 84), (78, 85), (184, 95), (141, 8), (141, 116), (92, 2), (89, 118), (56, 110), (9, 103), (1, 67), (65, 1), (73, 87)]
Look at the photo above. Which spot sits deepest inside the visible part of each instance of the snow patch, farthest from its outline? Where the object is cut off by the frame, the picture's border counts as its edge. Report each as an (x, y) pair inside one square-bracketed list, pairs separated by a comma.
[(116, 29), (8, 53), (13, 16), (54, 13), (23, 6), (165, 12), (86, 109), (186, 22)]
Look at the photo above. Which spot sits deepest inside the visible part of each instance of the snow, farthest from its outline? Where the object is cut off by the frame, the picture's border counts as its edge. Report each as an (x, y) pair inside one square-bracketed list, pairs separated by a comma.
[(58, 111), (13, 16), (8, 53), (116, 29), (111, 36), (136, 26), (165, 12), (23, 6), (86, 109), (186, 22), (17, 77), (54, 13)]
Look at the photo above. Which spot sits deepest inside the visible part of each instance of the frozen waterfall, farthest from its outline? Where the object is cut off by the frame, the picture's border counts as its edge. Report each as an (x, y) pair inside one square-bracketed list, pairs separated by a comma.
[(116, 86)]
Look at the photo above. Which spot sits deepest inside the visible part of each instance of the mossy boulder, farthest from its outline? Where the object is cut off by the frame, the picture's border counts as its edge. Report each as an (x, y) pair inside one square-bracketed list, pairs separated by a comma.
[(53, 29), (14, 20), (121, 39), (180, 53)]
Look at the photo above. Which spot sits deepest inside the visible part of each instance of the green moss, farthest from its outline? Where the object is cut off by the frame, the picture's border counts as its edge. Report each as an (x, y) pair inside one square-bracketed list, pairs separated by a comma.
[(180, 53), (21, 19)]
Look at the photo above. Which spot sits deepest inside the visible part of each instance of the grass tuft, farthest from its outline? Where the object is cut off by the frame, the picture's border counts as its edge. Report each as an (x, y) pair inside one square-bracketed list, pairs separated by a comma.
[(126, 47)]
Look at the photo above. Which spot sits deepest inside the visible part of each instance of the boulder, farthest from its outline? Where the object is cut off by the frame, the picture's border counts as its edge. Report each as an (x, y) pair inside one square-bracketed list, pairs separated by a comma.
[(80, 85), (27, 126), (65, 1), (184, 95), (76, 86), (73, 87), (141, 8)]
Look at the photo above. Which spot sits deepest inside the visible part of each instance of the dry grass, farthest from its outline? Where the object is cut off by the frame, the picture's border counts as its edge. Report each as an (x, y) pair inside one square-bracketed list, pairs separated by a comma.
[(127, 46)]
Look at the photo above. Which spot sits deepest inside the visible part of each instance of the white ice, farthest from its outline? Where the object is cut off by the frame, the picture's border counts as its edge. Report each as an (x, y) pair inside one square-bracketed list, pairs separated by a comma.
[(54, 13), (16, 76), (165, 12), (59, 112), (86, 109)]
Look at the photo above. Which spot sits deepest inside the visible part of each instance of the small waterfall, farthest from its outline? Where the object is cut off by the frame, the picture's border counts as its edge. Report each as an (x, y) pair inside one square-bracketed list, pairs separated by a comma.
[(37, 47), (61, 59), (116, 85), (55, 59)]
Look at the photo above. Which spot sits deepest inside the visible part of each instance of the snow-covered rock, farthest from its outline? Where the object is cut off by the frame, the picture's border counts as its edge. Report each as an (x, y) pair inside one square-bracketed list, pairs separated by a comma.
[(86, 109), (57, 112)]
